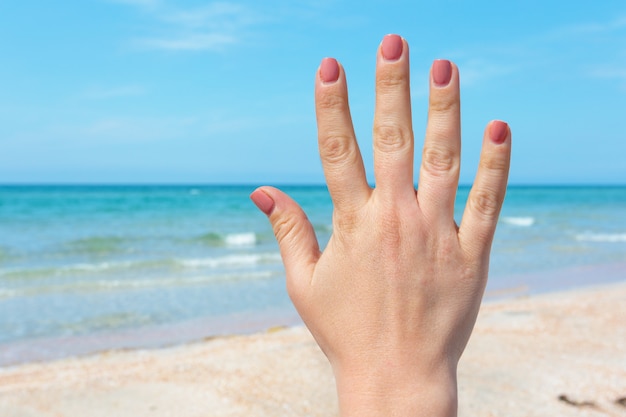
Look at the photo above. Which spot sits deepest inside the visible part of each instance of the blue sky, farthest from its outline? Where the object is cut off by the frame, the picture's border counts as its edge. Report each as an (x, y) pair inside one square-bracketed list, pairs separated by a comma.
[(163, 91)]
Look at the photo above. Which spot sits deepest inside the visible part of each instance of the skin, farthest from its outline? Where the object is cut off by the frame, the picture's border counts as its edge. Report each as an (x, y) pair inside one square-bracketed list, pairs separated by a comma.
[(393, 298)]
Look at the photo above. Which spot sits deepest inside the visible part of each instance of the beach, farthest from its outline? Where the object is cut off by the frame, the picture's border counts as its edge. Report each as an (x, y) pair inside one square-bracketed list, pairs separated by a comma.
[(555, 354)]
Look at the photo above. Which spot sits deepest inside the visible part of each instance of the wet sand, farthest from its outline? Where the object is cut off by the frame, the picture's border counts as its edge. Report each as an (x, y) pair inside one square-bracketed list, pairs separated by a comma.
[(558, 354)]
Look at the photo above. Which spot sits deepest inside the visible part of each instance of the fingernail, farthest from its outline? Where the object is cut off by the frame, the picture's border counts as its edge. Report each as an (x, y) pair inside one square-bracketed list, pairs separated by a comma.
[(498, 132), (392, 47), (442, 72), (263, 201), (329, 70)]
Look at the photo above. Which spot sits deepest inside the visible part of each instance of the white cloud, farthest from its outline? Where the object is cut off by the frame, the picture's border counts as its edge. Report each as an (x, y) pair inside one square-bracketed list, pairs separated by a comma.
[(608, 72), (572, 46), (616, 73), (214, 15), (583, 29), (208, 28)]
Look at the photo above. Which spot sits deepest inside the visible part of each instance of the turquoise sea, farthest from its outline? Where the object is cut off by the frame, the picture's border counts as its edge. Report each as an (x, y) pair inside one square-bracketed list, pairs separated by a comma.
[(80, 262)]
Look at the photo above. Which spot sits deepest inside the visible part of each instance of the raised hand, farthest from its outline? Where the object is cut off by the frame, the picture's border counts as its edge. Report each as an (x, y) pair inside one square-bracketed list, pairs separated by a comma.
[(393, 298)]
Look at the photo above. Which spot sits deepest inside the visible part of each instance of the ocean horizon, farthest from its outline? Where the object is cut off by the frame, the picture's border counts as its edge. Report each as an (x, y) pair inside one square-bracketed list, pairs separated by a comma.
[(81, 260)]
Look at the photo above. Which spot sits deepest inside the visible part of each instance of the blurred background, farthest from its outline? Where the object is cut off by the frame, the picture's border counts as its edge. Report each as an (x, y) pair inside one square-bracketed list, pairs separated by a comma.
[(133, 131)]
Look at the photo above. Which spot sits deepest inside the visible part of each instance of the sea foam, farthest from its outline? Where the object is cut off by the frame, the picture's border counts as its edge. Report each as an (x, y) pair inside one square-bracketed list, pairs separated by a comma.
[(242, 260), (519, 221), (602, 237), (6, 293), (94, 286), (231, 240), (240, 239), (177, 281)]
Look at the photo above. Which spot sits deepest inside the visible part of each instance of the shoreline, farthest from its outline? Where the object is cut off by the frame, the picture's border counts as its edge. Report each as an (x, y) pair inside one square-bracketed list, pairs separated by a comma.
[(42, 350), (555, 280), (558, 353), (162, 336)]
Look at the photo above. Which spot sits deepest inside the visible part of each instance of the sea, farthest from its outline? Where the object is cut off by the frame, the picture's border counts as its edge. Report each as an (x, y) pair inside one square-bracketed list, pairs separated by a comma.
[(91, 268)]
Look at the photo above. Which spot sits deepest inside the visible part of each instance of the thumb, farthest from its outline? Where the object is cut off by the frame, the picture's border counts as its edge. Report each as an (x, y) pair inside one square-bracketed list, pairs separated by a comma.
[(294, 232)]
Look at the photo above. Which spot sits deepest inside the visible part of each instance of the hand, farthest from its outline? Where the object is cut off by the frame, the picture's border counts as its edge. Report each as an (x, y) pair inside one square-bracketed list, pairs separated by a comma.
[(393, 298)]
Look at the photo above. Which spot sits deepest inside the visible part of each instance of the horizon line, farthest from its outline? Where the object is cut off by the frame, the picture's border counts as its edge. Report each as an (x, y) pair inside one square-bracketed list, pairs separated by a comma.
[(274, 184)]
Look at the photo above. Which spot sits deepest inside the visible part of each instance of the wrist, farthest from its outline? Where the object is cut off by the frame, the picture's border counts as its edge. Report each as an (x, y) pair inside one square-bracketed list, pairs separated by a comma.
[(400, 392)]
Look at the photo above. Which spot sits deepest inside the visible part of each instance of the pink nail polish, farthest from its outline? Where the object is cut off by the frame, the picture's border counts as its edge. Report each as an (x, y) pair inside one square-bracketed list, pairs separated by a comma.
[(498, 132), (329, 70), (442, 72), (392, 47), (263, 201)]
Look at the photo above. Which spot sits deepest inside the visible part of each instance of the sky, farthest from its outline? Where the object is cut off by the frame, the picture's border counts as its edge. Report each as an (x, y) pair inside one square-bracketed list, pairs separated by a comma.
[(164, 91)]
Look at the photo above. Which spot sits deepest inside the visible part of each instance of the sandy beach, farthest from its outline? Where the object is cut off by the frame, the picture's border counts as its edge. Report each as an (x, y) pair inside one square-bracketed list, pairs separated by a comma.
[(558, 354)]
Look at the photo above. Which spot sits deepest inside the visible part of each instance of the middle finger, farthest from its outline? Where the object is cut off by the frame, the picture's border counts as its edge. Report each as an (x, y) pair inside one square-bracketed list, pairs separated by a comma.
[(393, 131)]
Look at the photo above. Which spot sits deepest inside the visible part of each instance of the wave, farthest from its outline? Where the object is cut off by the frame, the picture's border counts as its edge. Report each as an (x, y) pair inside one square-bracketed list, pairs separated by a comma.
[(519, 221), (602, 237), (240, 239), (119, 267), (97, 245), (184, 281), (229, 239), (64, 270), (99, 285), (5, 293), (232, 260), (115, 245)]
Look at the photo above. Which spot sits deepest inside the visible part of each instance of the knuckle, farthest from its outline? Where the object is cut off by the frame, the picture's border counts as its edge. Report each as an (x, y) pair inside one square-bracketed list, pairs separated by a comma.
[(485, 202), (390, 80), (494, 163), (345, 224), (330, 101), (346, 221), (336, 148), (439, 161), (443, 105), (288, 228), (390, 138)]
